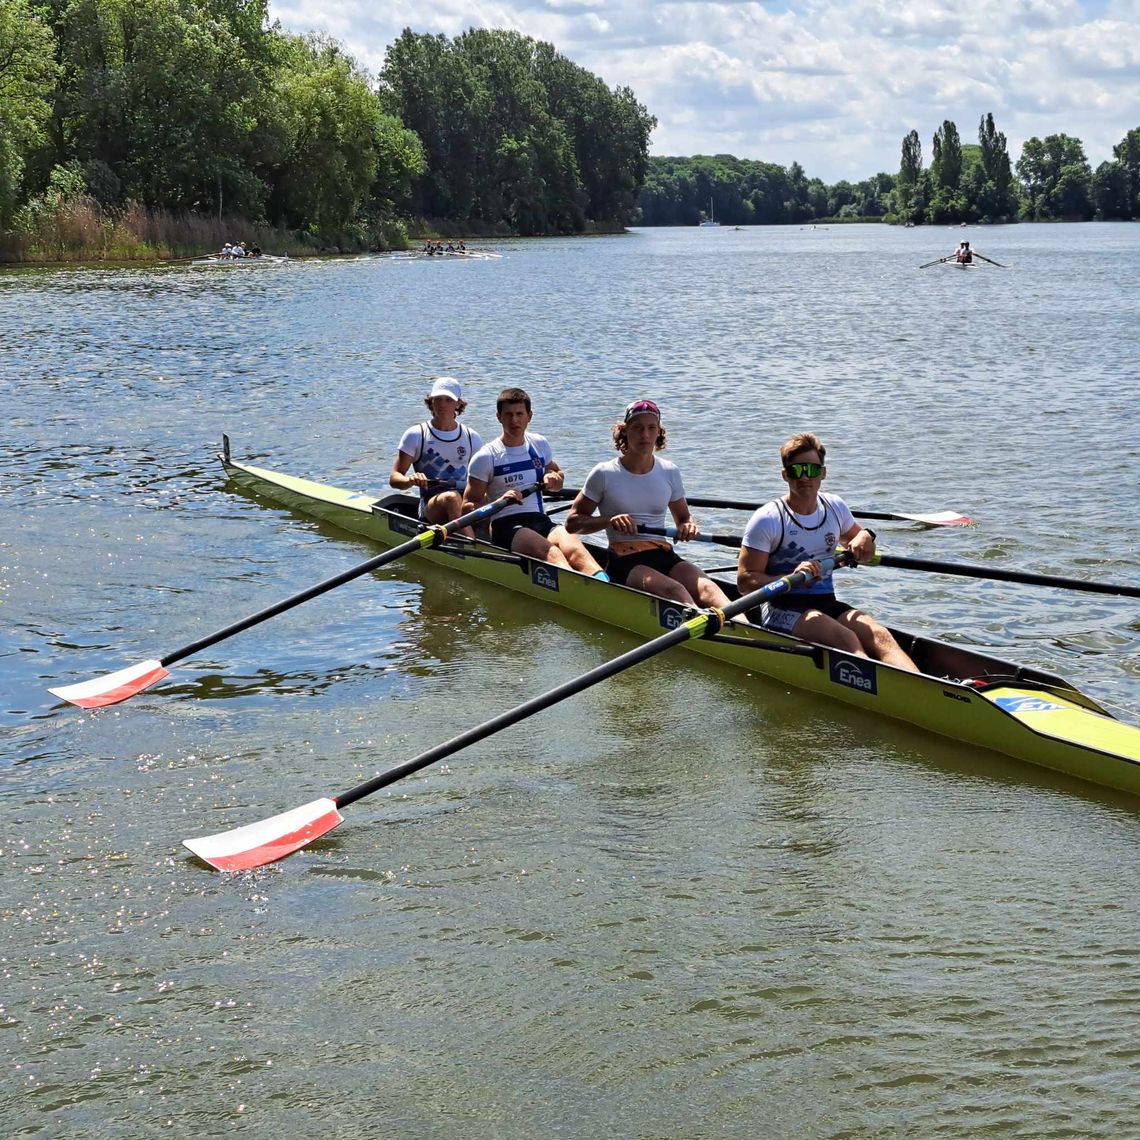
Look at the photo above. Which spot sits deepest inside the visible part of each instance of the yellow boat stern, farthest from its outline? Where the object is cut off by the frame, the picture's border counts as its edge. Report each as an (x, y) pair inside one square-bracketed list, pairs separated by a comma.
[(1063, 723)]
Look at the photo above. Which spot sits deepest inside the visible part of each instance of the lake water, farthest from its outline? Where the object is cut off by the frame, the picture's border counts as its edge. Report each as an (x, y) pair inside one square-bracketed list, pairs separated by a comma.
[(687, 903)]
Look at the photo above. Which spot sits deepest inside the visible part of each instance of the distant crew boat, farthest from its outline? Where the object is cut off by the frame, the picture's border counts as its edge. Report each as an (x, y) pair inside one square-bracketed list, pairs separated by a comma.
[(711, 219)]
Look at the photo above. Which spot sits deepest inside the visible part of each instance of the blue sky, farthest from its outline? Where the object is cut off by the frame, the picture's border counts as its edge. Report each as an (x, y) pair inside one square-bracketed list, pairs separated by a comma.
[(832, 85)]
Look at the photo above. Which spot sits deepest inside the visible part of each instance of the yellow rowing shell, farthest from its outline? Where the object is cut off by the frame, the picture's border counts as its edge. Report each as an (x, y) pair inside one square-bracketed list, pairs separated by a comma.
[(961, 694)]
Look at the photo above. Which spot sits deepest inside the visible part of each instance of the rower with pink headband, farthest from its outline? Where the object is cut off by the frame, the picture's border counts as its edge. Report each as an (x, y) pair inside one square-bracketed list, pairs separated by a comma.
[(633, 491)]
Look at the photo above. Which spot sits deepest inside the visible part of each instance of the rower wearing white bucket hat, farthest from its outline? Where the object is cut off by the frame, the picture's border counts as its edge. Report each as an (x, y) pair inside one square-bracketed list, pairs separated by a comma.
[(433, 455)]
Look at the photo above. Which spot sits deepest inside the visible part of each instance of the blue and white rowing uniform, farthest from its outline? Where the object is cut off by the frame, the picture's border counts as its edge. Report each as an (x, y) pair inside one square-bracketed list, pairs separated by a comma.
[(505, 469), (789, 539), (442, 456)]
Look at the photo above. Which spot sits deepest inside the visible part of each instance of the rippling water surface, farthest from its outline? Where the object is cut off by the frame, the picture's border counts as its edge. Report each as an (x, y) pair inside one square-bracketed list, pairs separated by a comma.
[(685, 903)]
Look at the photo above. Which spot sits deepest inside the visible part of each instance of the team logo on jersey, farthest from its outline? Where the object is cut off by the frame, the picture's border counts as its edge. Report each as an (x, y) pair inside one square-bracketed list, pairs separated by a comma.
[(854, 673), (543, 575), (461, 451), (830, 539)]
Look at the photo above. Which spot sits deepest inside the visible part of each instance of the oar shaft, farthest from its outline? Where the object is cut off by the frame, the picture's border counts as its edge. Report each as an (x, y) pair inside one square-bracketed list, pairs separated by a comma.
[(744, 505), (964, 571), (694, 627), (671, 532), (297, 599), (431, 537)]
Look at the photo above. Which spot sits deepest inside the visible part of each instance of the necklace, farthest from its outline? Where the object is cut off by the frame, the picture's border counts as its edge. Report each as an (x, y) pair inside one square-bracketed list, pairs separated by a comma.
[(802, 525)]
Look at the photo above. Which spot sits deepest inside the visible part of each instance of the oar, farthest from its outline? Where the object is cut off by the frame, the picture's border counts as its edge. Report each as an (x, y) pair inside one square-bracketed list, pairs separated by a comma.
[(958, 568), (982, 257), (125, 683), (965, 571), (930, 518), (939, 261), (671, 532), (256, 844)]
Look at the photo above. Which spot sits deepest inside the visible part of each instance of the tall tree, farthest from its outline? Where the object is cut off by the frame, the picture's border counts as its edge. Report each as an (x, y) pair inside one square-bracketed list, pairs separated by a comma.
[(329, 127), (1110, 192), (1056, 177), (996, 199), (161, 94), (907, 202), (1127, 155), (27, 79), (947, 163)]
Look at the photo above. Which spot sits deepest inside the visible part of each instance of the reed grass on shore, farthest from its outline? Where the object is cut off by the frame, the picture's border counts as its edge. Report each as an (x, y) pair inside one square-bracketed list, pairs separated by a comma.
[(80, 230)]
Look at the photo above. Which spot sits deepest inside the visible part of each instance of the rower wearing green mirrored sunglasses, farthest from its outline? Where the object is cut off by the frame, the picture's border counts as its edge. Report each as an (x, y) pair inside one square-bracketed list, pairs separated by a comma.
[(796, 533)]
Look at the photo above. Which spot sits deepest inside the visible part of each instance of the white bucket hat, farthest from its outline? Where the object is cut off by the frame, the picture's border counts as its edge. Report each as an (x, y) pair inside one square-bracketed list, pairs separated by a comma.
[(445, 386)]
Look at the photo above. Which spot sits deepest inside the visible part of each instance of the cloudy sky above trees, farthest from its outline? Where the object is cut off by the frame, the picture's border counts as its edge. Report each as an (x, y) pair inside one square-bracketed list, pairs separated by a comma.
[(832, 84)]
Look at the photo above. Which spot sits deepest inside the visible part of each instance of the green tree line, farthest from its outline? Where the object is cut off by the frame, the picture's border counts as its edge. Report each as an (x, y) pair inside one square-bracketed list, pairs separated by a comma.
[(203, 106), (738, 191), (1051, 181), (965, 182)]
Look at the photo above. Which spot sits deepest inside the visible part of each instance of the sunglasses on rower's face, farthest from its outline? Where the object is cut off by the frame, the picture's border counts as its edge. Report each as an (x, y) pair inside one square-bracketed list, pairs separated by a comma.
[(804, 470)]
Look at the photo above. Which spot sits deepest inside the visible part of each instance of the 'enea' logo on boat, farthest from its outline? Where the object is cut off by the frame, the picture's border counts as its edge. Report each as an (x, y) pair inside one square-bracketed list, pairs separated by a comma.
[(544, 576), (671, 616), (854, 674), (1017, 705)]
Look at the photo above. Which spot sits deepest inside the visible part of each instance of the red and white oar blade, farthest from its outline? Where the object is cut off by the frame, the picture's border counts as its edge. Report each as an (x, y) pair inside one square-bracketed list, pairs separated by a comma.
[(114, 687), (938, 518), (268, 840)]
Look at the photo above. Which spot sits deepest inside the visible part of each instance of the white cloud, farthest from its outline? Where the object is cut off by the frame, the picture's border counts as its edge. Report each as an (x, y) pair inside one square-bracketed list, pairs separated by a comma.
[(834, 86)]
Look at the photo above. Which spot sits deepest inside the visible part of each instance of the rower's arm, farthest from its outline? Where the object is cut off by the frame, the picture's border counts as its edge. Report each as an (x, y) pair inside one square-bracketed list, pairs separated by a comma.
[(581, 519), (474, 495), (752, 570), (553, 478), (401, 477), (686, 526), (860, 542)]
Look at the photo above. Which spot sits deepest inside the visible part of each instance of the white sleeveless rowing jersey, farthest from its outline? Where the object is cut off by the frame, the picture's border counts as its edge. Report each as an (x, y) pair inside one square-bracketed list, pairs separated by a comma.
[(789, 539), (442, 456)]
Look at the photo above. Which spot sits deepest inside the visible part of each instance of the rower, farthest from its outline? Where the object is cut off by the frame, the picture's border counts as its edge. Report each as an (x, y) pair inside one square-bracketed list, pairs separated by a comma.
[(634, 490), (795, 533), (433, 455), (963, 254), (510, 464)]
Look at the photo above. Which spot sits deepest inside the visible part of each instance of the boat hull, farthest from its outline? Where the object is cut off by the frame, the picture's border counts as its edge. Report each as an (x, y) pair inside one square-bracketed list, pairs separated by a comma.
[(964, 695)]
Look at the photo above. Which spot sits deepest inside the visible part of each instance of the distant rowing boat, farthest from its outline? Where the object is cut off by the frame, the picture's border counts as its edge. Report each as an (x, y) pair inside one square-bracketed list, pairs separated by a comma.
[(260, 259), (962, 694)]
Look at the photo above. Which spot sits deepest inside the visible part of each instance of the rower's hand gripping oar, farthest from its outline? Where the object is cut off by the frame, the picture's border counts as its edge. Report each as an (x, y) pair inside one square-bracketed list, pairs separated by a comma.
[(271, 839), (125, 683), (930, 518)]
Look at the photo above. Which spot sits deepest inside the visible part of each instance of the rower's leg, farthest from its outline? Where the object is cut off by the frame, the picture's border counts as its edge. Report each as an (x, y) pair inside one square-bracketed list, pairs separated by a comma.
[(654, 582), (823, 630), (531, 544), (575, 551), (876, 640), (705, 590)]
